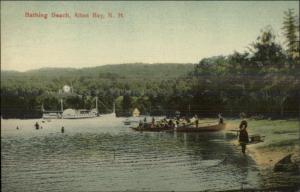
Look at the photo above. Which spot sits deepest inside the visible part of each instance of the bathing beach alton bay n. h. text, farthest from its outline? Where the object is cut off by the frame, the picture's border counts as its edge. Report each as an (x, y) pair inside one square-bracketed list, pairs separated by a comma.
[(68, 15)]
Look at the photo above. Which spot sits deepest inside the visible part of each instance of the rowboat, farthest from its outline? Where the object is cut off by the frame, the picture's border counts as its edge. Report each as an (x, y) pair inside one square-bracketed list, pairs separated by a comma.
[(185, 128)]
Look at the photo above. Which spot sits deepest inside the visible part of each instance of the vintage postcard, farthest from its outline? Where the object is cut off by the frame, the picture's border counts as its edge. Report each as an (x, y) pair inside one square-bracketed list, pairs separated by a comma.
[(150, 96)]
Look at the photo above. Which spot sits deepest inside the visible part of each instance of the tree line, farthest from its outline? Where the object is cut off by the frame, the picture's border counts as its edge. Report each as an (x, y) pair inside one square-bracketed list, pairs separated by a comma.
[(261, 81)]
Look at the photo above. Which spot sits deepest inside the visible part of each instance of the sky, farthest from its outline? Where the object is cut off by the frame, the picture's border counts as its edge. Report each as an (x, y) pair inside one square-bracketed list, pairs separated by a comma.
[(148, 32)]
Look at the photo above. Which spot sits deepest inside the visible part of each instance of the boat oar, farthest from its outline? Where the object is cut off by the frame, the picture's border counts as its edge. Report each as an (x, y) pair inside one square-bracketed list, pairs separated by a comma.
[(235, 130), (254, 138), (206, 122), (175, 128)]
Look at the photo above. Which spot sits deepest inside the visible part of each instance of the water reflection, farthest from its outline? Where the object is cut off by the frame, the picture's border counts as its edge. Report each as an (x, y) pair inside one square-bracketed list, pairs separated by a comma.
[(114, 158)]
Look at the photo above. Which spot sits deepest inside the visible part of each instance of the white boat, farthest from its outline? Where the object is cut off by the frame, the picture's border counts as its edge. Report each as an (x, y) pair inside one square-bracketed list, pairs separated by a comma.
[(75, 113), (71, 113), (79, 114)]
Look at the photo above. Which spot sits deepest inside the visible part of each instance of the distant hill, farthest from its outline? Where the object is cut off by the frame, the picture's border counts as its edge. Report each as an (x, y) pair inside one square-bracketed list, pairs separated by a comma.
[(137, 70)]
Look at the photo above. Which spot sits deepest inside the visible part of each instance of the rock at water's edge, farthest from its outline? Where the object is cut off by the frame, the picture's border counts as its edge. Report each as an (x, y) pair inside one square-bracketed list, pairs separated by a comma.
[(286, 165)]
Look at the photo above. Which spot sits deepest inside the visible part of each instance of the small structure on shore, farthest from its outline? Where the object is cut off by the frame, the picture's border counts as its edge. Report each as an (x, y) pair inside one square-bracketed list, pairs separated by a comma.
[(135, 112)]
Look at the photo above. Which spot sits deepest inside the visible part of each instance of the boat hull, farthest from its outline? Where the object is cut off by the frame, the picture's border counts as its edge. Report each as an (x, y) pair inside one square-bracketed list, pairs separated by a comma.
[(208, 128), (78, 117), (148, 129)]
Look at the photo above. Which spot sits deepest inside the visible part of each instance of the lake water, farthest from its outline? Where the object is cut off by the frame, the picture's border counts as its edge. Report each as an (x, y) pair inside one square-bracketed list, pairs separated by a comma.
[(105, 155)]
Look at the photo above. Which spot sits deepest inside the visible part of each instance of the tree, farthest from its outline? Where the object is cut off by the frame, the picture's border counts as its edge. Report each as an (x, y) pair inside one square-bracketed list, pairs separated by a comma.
[(126, 104), (266, 52), (290, 29)]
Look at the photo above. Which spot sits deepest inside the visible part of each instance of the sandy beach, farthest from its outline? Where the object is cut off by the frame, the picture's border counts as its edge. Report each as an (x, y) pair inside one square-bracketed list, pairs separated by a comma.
[(266, 157)]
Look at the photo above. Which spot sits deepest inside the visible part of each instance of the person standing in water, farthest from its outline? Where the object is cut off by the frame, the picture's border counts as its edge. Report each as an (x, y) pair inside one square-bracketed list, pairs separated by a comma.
[(244, 123), (37, 126), (62, 129), (243, 136)]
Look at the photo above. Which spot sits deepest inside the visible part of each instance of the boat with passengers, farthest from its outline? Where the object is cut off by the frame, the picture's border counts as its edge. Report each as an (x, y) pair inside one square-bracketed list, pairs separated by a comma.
[(184, 127)]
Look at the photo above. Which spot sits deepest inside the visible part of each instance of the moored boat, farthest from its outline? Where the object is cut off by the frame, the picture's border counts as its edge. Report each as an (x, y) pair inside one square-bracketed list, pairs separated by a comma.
[(79, 114), (74, 113)]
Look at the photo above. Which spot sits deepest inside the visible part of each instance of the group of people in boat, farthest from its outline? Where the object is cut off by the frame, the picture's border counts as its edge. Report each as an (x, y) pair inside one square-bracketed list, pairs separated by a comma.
[(164, 123), (173, 123), (184, 121)]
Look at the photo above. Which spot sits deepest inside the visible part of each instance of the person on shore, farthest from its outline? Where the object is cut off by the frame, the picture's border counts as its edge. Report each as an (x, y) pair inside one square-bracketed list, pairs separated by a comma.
[(145, 120), (62, 129), (37, 126)]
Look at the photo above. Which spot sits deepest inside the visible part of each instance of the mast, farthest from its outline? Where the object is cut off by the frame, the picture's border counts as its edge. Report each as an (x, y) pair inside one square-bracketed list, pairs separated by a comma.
[(97, 104), (61, 105), (43, 107), (114, 107), (71, 87)]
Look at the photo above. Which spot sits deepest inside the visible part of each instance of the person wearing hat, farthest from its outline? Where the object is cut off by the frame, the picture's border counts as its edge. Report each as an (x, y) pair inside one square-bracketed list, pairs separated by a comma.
[(243, 136)]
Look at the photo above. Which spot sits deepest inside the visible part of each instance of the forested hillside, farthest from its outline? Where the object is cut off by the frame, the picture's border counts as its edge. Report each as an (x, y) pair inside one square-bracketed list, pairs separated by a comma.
[(25, 92), (264, 80), (136, 70)]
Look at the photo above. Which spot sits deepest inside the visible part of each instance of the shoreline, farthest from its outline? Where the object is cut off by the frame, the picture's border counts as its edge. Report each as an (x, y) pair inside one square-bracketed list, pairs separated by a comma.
[(266, 158), (272, 155), (279, 141), (281, 138)]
